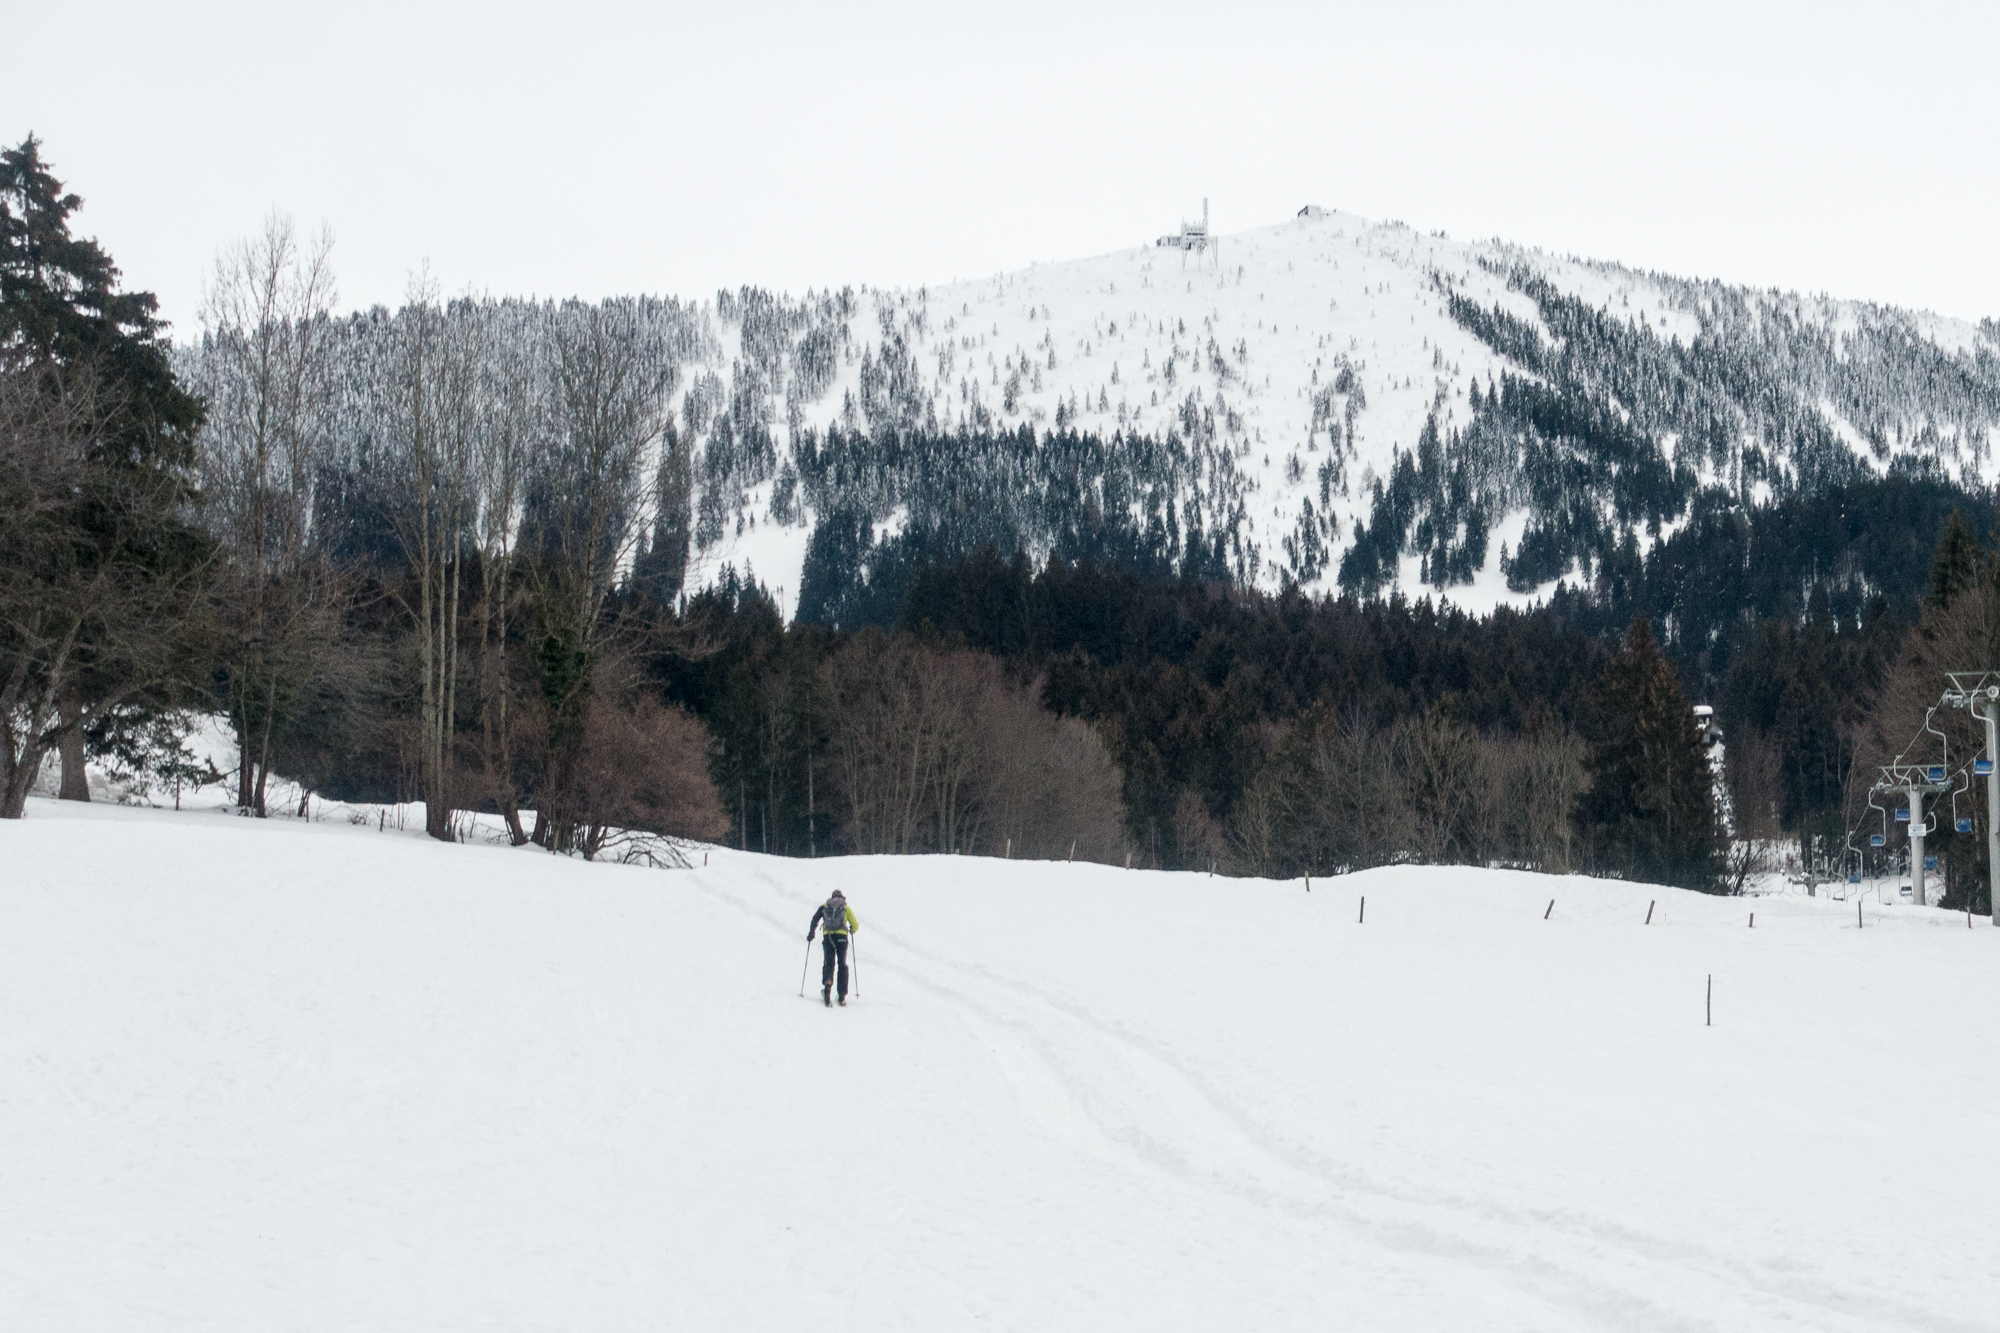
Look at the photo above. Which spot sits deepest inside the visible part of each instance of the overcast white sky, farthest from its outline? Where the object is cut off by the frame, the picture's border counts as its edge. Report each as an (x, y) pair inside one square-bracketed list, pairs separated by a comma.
[(592, 148)]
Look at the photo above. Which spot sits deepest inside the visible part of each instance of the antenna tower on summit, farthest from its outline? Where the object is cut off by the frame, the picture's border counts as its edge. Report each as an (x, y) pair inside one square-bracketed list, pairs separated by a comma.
[(1195, 237)]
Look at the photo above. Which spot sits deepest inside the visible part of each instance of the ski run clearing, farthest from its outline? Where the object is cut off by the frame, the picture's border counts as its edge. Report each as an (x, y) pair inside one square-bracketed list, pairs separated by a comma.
[(263, 1076)]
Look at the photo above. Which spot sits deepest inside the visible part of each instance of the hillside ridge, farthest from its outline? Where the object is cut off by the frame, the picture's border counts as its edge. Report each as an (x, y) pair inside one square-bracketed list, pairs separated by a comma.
[(1325, 402)]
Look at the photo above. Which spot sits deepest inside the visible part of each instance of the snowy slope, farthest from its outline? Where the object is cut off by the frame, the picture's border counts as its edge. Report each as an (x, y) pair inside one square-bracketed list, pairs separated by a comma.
[(1311, 403), (1280, 304), (1255, 332), (277, 1075)]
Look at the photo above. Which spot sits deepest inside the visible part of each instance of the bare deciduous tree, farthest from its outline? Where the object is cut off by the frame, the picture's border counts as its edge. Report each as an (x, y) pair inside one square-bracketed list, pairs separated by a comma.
[(1756, 784), (643, 775), (939, 751), (1440, 771), (587, 511), (511, 419), (435, 385), (266, 360), (1342, 794)]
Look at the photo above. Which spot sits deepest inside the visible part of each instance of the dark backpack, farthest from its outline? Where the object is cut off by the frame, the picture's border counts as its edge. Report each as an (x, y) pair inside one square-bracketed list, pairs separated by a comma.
[(833, 919)]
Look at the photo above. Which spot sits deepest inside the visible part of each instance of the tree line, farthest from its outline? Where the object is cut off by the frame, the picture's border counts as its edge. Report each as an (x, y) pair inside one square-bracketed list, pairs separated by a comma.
[(439, 577), (424, 556), (442, 554)]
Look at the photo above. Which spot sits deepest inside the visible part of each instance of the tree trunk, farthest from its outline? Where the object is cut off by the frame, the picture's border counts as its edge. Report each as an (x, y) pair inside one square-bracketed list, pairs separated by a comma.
[(246, 768), (75, 782), (14, 783), (440, 800), (496, 683)]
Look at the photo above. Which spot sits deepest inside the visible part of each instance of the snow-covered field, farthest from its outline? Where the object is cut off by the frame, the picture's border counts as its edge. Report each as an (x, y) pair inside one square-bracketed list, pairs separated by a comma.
[(283, 1075)]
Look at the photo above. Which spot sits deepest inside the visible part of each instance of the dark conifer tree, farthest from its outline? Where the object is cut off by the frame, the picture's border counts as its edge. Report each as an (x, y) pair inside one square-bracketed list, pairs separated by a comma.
[(105, 575), (832, 576), (60, 304), (1649, 813), (1955, 564)]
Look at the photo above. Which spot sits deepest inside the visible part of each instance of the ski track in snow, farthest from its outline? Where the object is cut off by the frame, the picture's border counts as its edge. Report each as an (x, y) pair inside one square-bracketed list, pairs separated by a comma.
[(279, 1075), (1165, 1118)]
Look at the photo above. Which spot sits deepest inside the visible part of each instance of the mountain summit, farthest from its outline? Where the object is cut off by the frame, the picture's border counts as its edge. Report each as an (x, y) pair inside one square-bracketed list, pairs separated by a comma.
[(1364, 405), (1327, 403)]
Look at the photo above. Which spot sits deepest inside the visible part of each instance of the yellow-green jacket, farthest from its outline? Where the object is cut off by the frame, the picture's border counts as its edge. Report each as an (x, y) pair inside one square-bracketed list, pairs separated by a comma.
[(841, 923)]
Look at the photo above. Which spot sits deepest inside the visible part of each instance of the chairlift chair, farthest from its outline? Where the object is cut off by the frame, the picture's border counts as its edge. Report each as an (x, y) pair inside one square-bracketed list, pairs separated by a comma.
[(1960, 823)]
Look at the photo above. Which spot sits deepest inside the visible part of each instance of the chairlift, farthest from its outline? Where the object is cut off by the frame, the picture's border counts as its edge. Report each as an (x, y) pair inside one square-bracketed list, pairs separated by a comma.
[(1902, 814), (1983, 767), (1930, 860), (1854, 877), (1935, 772), (1961, 823), (1877, 840)]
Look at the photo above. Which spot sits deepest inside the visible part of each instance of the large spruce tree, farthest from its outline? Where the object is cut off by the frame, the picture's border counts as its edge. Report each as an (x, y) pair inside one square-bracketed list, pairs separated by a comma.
[(102, 572), (1649, 813), (1955, 565), (60, 304)]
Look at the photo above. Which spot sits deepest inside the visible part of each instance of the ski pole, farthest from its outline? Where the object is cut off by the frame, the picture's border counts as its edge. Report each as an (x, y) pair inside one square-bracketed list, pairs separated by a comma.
[(807, 968), (854, 943)]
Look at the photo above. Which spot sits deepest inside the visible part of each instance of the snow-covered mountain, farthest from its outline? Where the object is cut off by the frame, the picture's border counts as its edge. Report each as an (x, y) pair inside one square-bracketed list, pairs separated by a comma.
[(1310, 357), (1327, 402)]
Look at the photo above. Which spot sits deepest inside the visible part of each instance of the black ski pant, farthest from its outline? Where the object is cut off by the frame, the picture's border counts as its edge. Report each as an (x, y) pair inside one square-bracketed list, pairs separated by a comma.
[(836, 952)]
